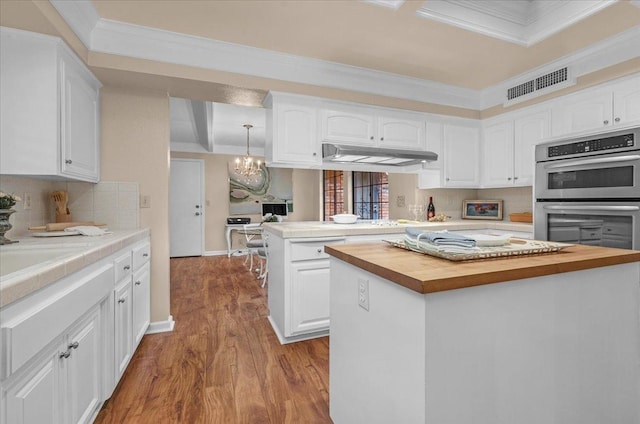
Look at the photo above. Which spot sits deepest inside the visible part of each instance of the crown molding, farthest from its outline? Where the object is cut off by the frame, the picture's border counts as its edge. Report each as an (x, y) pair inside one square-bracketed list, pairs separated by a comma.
[(117, 38), (516, 25), (81, 16), (152, 44), (609, 52)]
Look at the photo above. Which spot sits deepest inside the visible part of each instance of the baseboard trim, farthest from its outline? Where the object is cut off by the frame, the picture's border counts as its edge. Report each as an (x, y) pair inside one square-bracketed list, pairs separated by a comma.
[(286, 340), (161, 326), (214, 252)]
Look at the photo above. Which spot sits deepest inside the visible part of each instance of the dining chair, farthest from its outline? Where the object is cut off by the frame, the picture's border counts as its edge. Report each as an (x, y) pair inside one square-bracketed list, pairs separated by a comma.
[(256, 244)]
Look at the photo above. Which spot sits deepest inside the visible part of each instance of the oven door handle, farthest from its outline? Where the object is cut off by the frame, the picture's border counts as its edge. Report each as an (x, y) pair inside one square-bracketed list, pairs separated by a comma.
[(592, 208), (596, 161)]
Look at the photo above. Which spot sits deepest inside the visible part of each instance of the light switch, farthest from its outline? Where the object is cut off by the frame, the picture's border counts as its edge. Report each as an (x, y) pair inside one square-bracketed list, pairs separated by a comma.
[(145, 201)]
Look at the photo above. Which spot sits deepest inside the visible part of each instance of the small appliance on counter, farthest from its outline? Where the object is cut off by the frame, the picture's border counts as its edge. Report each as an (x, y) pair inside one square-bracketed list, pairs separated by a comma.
[(238, 220)]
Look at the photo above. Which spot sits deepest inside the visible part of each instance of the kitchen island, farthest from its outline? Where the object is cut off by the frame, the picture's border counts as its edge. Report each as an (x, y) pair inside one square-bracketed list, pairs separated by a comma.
[(550, 338), (298, 269)]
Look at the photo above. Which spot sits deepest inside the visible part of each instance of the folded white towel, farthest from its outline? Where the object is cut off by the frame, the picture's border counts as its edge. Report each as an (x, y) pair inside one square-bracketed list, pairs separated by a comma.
[(88, 230)]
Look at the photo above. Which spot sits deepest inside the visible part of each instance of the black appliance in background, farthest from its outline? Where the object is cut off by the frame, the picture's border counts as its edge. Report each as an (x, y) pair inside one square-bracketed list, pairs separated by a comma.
[(238, 220)]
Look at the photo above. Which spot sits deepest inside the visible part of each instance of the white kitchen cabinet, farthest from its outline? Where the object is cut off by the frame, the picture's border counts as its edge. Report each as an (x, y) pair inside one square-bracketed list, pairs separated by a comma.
[(461, 151), (508, 149), (123, 326), (607, 106), (291, 131), (49, 125), (310, 296), (497, 154), (141, 303), (375, 127), (53, 371)]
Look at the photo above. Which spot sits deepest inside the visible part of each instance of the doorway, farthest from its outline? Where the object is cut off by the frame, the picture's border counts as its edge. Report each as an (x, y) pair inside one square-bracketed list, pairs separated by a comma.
[(186, 211)]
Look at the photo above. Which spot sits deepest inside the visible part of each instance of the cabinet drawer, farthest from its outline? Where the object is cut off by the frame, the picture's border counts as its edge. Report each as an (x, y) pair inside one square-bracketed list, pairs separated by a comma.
[(617, 228), (309, 250), (123, 266), (591, 233), (141, 255), (568, 234), (24, 336)]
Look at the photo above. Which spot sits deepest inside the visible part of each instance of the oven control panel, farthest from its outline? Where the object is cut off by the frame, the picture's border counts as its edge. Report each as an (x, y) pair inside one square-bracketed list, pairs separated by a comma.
[(593, 145)]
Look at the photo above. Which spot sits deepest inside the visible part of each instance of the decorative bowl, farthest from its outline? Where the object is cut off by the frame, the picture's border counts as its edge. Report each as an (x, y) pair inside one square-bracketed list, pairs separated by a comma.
[(345, 218)]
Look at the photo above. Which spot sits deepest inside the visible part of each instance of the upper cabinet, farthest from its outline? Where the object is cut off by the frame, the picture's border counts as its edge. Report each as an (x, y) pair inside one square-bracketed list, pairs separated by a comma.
[(508, 148), (596, 109), (461, 150), (292, 134), (370, 126), (49, 124)]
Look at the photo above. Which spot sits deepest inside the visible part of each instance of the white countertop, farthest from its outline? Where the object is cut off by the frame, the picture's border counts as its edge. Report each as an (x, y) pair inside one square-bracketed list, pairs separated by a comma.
[(36, 262), (328, 229)]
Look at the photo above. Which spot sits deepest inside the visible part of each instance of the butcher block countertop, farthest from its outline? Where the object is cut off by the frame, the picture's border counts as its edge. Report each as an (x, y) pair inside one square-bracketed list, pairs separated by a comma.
[(428, 274)]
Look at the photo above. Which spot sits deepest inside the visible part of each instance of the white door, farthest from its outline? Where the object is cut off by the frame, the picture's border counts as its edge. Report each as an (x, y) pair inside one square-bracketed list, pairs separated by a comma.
[(186, 214)]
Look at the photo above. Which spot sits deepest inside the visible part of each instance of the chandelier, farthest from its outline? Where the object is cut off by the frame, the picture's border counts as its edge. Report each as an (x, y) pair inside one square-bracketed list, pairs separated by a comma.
[(246, 166)]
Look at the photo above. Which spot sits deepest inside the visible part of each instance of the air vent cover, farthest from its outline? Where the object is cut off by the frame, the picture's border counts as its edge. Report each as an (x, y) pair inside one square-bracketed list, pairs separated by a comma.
[(538, 86)]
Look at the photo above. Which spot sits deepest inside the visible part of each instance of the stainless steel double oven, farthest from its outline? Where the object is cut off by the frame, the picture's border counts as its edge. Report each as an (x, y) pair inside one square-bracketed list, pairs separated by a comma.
[(587, 190)]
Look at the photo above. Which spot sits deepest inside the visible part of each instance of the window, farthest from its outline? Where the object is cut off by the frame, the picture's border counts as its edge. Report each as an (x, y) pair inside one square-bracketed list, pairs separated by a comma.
[(333, 193), (369, 192), (371, 195)]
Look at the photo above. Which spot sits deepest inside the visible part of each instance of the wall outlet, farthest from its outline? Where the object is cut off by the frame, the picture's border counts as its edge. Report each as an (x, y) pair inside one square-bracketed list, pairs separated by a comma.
[(400, 201), (363, 294), (26, 199)]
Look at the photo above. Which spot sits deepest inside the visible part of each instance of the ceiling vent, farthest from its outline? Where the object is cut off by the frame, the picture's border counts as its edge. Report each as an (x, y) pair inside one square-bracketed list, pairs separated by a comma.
[(538, 86)]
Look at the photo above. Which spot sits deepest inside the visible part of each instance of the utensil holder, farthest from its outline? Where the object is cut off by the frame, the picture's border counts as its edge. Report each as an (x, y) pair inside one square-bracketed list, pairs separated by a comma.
[(63, 217)]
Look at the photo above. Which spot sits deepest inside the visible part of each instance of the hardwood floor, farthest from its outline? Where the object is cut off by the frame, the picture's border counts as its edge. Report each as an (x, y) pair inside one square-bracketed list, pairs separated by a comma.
[(223, 362)]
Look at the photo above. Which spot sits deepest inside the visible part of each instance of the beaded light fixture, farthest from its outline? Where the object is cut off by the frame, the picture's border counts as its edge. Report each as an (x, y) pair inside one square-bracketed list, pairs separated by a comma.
[(246, 166)]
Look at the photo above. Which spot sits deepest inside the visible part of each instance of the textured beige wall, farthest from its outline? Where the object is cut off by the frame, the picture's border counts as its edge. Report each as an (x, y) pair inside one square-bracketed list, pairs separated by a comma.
[(135, 147), (306, 197)]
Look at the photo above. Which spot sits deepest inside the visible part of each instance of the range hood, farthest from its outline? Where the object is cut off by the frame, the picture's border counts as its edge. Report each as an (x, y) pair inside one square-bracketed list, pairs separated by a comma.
[(335, 153)]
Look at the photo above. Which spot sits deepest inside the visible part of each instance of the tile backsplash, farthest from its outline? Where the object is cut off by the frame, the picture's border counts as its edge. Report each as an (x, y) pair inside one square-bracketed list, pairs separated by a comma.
[(113, 203), (449, 201)]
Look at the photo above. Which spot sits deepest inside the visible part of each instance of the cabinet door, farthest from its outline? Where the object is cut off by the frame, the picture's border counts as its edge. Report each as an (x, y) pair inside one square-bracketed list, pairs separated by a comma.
[(528, 131), (497, 154), (401, 133), (141, 303), (80, 123), (123, 327), (295, 136), (309, 297), (84, 370), (626, 102), (461, 156), (34, 398), (583, 112), (347, 127)]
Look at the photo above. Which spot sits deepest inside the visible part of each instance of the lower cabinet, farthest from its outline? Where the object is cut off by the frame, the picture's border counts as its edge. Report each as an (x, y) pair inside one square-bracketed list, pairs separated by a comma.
[(64, 348), (64, 385), (309, 296), (123, 329)]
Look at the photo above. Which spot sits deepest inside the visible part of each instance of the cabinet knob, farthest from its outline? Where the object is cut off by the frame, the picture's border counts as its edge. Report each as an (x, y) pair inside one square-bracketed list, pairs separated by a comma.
[(315, 154), (197, 206), (381, 138), (319, 250), (145, 255), (65, 355), (515, 178), (68, 161), (617, 119), (509, 179), (447, 178), (138, 283), (606, 121), (197, 213), (73, 345), (120, 300), (371, 138), (127, 267)]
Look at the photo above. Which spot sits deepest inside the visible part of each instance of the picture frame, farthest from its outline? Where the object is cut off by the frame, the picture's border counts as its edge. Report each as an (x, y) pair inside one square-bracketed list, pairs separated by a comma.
[(482, 209)]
